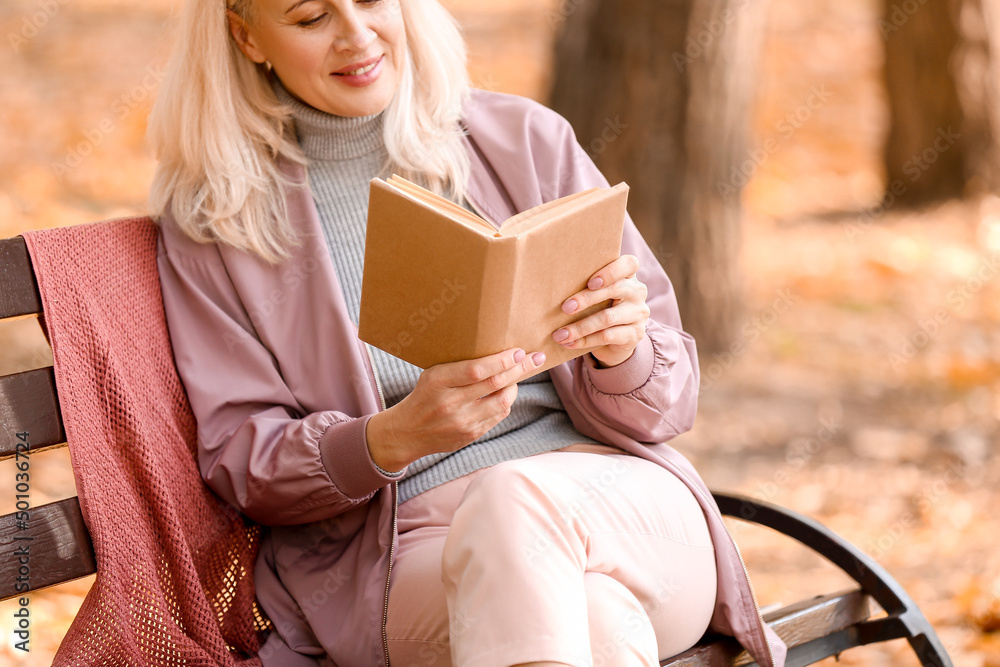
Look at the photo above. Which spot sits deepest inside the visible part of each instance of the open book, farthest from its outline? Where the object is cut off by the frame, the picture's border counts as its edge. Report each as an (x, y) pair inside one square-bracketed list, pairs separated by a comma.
[(442, 284)]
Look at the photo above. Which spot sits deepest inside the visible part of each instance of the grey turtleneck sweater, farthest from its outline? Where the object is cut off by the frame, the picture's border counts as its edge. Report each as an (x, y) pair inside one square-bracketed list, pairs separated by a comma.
[(344, 155)]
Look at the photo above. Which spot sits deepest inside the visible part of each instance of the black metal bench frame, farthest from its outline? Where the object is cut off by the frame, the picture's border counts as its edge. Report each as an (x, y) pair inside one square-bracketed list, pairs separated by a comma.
[(814, 629)]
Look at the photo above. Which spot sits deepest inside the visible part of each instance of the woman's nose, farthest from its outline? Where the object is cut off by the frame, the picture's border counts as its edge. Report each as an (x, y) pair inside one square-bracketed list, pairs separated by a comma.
[(354, 32)]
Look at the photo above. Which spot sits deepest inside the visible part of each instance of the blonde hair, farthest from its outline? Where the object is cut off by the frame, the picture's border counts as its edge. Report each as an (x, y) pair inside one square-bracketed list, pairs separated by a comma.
[(218, 129)]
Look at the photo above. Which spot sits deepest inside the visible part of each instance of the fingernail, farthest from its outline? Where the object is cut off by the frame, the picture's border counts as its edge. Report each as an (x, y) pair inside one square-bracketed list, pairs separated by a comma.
[(538, 358), (570, 306), (519, 356), (596, 282), (560, 335)]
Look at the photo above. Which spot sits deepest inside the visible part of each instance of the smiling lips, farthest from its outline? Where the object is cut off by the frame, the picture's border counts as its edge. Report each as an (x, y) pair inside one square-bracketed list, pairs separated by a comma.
[(361, 74), (362, 70)]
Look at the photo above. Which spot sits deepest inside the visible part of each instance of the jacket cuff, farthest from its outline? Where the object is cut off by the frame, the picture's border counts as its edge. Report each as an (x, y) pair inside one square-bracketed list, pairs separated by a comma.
[(627, 376), (343, 449)]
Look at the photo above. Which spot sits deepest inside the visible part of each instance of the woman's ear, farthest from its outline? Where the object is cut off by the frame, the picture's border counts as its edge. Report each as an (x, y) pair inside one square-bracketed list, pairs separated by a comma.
[(244, 38)]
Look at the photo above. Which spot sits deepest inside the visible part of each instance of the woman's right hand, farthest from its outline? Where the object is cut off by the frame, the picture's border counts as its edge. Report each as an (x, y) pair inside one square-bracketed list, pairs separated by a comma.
[(452, 405)]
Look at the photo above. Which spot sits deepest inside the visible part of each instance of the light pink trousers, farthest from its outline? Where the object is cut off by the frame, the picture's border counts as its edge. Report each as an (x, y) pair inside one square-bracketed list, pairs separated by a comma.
[(586, 556)]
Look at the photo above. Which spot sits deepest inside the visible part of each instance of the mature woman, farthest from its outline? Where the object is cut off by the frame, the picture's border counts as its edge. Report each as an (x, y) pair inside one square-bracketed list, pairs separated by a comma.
[(449, 516)]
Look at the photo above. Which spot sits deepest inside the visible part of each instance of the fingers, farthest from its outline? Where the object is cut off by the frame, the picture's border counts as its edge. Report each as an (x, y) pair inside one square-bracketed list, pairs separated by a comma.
[(495, 395), (481, 404), (617, 337), (622, 324), (615, 281), (488, 374), (506, 378), (465, 373), (484, 413), (494, 408), (623, 267)]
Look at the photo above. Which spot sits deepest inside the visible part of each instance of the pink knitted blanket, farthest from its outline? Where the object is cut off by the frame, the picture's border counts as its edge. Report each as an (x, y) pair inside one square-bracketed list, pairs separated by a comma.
[(174, 563)]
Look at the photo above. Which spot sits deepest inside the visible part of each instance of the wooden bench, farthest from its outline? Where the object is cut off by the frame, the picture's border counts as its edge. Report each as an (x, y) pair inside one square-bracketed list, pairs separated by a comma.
[(814, 629)]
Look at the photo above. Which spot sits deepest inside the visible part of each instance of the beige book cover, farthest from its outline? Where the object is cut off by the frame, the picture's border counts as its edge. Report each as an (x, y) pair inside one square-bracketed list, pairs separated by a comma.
[(441, 284)]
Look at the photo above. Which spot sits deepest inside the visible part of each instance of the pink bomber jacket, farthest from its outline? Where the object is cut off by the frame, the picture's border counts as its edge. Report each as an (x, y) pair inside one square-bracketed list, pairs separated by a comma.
[(282, 390)]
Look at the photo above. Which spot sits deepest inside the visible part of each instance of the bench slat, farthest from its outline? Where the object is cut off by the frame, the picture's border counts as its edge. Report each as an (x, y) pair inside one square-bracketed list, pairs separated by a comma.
[(804, 621), (797, 624), (28, 404), (720, 653), (59, 549), (18, 289)]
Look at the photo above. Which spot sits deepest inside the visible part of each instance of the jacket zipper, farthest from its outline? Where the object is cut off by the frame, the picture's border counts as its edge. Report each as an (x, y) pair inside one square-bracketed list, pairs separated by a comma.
[(753, 596), (395, 505), (746, 572), (392, 548)]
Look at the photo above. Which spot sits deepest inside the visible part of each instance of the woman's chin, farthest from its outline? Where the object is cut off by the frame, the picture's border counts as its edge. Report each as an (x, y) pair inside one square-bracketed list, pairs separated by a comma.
[(353, 101), (360, 106)]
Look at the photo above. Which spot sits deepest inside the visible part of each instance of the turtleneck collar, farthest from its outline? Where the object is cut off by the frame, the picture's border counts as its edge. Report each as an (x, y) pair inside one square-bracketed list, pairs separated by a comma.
[(324, 136)]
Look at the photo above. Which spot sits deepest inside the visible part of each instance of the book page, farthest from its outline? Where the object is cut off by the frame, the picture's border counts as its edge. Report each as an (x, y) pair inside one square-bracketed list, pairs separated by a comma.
[(538, 214), (446, 206)]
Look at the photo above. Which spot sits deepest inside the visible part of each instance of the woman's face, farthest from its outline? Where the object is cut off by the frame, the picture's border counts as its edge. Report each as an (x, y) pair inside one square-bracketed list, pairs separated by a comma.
[(344, 57)]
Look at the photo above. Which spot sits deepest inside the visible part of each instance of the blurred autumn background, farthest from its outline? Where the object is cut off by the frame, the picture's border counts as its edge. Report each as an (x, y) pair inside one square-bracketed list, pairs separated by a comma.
[(817, 178)]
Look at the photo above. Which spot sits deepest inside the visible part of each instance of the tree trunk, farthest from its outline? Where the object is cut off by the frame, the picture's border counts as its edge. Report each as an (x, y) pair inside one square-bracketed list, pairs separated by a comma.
[(978, 75), (941, 74), (660, 93)]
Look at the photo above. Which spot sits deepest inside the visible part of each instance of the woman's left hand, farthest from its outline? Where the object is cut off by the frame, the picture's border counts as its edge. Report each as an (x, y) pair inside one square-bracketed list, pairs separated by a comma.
[(616, 330)]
